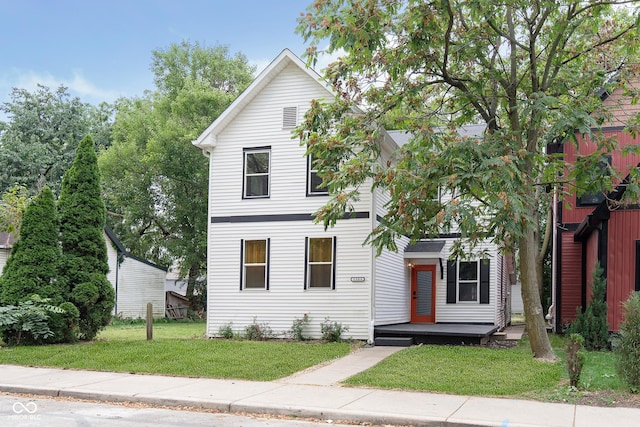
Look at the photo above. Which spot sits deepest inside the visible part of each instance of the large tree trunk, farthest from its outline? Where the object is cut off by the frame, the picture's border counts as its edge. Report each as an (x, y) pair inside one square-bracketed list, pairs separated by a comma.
[(191, 287), (534, 316)]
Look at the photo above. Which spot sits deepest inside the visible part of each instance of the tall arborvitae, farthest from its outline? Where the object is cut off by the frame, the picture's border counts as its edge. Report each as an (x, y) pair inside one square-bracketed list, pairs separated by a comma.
[(82, 219), (32, 267), (592, 324)]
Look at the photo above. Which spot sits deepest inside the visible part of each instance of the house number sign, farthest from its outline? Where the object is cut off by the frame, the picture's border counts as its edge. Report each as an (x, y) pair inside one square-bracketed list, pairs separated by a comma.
[(357, 279)]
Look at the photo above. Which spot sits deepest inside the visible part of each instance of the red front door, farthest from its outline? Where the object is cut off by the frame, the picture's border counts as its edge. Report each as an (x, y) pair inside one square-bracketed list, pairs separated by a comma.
[(423, 301)]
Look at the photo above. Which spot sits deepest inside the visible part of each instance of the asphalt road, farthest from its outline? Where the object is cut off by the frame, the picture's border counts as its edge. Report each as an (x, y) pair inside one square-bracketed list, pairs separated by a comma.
[(23, 411)]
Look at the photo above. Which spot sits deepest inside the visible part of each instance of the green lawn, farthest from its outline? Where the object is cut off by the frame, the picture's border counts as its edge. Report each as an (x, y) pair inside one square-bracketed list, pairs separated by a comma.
[(178, 349), (489, 372)]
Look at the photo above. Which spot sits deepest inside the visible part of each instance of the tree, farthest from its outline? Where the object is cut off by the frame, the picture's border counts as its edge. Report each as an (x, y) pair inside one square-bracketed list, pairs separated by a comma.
[(156, 182), (44, 127), (530, 71), (84, 250), (32, 267), (12, 206)]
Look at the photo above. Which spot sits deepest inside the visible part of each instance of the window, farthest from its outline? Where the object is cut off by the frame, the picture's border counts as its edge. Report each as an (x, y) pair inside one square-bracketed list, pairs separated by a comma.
[(314, 182), (255, 264), (597, 197), (257, 165), (320, 265), (468, 281)]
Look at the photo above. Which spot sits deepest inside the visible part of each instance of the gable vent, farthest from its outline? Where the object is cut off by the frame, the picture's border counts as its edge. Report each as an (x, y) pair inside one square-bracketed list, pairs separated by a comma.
[(289, 117)]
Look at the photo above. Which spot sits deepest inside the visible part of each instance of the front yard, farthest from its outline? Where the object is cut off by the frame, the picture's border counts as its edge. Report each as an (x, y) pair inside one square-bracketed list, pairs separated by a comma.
[(181, 349)]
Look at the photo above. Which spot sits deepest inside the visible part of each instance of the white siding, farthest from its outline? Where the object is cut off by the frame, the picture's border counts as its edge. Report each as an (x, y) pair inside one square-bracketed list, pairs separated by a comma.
[(259, 124), (137, 284), (4, 256), (466, 312), (392, 279), (286, 298)]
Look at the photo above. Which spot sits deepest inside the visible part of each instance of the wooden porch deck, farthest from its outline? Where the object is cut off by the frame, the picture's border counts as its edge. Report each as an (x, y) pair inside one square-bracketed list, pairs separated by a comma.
[(433, 333)]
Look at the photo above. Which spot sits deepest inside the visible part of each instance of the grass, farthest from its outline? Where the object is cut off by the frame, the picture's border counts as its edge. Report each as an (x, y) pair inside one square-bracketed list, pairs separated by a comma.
[(480, 371), (178, 349), (461, 370)]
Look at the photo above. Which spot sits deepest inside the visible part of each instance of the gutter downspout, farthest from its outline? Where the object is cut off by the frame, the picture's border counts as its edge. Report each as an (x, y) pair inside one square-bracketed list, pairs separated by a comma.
[(372, 287), (115, 307), (551, 314)]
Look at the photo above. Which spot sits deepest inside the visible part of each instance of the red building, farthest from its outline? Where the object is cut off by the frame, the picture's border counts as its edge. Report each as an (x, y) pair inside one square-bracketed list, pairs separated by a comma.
[(595, 228)]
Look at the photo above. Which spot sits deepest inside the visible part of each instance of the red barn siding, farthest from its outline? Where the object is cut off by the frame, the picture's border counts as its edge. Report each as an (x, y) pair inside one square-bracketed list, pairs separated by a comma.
[(624, 230), (570, 277), (572, 214)]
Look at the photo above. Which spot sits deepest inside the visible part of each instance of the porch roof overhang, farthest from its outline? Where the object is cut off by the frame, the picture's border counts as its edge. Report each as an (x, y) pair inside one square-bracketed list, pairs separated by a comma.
[(426, 249), (601, 213)]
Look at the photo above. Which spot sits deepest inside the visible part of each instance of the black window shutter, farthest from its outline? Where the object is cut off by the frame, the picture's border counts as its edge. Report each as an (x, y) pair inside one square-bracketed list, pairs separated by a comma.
[(452, 275), (268, 261), (333, 279), (484, 281), (241, 261), (306, 260)]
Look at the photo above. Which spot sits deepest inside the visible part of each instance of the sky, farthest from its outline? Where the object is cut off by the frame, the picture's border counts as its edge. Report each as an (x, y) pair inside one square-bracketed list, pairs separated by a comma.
[(101, 49)]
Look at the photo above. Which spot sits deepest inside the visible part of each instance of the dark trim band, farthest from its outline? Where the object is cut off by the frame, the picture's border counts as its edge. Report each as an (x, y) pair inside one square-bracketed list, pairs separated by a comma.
[(279, 217)]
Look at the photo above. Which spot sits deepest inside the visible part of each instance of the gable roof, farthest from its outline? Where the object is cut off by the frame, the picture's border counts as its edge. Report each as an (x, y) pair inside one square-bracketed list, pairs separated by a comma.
[(120, 249), (207, 139)]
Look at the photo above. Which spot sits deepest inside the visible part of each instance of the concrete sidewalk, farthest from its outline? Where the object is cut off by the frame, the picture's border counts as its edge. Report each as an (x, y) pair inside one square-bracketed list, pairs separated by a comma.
[(312, 393)]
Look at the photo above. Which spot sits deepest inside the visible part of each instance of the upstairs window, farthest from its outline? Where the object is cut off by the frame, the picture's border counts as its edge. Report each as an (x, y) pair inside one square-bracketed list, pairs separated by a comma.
[(314, 182), (597, 197), (257, 168), (255, 264), (320, 263)]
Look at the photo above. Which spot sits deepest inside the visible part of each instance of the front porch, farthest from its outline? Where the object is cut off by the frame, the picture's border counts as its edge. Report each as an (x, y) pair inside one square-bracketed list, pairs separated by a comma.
[(406, 334)]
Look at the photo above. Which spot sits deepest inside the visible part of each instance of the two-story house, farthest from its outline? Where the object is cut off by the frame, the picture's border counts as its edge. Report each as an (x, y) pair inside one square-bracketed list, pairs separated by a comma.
[(269, 261), (594, 227)]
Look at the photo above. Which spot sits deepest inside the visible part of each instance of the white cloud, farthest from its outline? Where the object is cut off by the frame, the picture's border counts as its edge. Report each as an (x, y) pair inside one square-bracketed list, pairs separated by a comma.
[(77, 84)]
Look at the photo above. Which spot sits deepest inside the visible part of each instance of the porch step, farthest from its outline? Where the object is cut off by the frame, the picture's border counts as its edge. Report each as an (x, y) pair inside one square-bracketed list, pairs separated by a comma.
[(394, 341)]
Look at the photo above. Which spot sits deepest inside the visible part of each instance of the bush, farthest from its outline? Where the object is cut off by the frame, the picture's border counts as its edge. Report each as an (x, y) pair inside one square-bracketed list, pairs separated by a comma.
[(258, 332), (297, 329), (332, 331), (628, 346), (592, 324), (575, 358), (226, 331), (28, 322)]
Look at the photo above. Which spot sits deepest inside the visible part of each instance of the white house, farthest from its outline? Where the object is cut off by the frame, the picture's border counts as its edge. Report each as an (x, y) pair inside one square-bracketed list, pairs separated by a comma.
[(268, 261)]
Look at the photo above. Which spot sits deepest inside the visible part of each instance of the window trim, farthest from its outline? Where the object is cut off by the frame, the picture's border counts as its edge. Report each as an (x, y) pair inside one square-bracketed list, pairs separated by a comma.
[(310, 172), (244, 265), (477, 282), (307, 264), (255, 150)]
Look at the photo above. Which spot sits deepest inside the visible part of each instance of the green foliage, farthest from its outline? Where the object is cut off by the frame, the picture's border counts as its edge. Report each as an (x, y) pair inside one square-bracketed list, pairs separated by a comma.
[(258, 331), (575, 358), (39, 139), (226, 331), (628, 348), (82, 218), (592, 324), (12, 206), (27, 322), (529, 74), (33, 264), (156, 182), (332, 331), (298, 327)]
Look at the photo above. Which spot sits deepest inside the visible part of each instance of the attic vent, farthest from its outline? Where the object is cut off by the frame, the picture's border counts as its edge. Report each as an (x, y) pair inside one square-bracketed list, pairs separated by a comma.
[(289, 117)]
